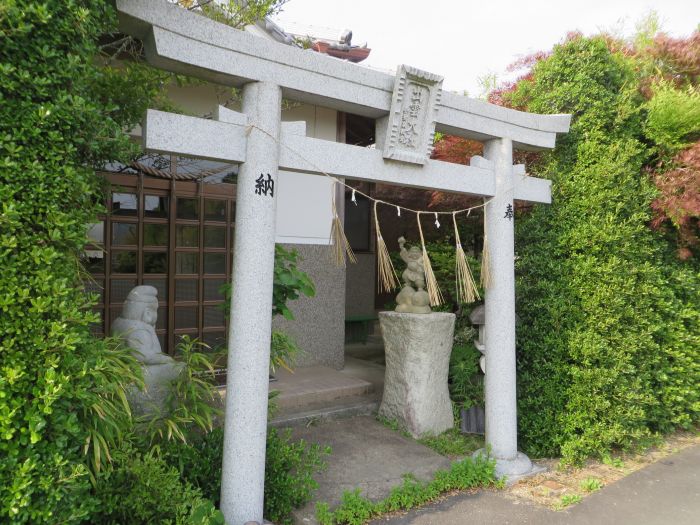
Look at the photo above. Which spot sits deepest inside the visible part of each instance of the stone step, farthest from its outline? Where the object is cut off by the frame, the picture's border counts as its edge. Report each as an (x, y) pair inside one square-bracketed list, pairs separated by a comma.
[(368, 352), (366, 405), (316, 385)]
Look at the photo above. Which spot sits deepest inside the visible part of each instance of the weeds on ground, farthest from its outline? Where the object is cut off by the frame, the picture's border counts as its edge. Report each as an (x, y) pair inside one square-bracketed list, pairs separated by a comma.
[(453, 443), (567, 500), (355, 509), (610, 461), (591, 484), (394, 425)]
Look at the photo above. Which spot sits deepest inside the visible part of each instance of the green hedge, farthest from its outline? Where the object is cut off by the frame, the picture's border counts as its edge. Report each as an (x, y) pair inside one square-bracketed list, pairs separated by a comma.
[(64, 107), (59, 117), (609, 341)]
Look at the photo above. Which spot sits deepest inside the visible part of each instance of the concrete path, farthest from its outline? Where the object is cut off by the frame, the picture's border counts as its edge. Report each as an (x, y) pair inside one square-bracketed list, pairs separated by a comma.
[(366, 455), (664, 493)]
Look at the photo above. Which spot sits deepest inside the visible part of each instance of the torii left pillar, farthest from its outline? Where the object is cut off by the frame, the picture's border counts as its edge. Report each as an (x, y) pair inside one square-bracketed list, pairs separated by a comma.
[(245, 427)]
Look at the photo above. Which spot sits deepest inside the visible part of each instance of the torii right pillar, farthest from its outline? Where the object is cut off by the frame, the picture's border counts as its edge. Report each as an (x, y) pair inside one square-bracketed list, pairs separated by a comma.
[(499, 304)]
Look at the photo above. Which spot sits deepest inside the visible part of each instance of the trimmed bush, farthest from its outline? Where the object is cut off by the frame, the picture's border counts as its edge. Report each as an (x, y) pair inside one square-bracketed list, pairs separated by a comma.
[(609, 340), (56, 121)]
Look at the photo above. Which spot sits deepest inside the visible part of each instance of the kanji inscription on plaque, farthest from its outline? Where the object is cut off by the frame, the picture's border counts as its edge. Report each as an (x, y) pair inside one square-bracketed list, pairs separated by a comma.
[(411, 125)]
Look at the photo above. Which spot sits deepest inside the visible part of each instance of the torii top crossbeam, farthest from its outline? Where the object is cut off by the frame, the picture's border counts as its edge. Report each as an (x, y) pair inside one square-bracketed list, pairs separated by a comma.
[(408, 108), (183, 42)]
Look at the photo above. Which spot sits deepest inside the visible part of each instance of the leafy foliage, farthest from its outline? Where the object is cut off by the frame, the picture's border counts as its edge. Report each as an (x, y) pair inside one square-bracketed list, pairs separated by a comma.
[(61, 390), (142, 489), (288, 285), (673, 117), (283, 351), (607, 350), (673, 124), (229, 12), (64, 106), (567, 500), (466, 381), (289, 282), (289, 469), (355, 509), (591, 484), (105, 408), (608, 347), (678, 201), (453, 443), (192, 401)]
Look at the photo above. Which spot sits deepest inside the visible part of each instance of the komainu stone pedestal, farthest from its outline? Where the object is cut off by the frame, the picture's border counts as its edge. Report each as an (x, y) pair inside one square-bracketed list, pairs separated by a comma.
[(417, 348)]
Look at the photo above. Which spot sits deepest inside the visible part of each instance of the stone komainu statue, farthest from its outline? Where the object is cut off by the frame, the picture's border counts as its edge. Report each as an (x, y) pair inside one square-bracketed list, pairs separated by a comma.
[(412, 299)]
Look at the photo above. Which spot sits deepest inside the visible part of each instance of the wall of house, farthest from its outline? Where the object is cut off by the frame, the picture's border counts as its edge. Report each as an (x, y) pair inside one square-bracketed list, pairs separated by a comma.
[(319, 325)]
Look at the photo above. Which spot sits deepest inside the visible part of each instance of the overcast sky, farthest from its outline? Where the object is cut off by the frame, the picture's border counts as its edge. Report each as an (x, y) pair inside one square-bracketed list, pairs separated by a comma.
[(464, 40)]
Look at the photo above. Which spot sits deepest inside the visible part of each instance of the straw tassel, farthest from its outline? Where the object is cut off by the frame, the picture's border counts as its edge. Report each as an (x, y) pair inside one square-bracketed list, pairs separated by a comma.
[(387, 280), (341, 245), (467, 291), (434, 293), (485, 277)]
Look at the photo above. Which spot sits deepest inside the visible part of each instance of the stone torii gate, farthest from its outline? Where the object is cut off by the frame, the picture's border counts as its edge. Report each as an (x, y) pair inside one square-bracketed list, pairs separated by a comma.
[(408, 109)]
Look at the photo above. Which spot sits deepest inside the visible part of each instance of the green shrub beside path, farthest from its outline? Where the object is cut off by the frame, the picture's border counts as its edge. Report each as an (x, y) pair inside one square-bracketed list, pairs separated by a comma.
[(355, 509), (609, 343)]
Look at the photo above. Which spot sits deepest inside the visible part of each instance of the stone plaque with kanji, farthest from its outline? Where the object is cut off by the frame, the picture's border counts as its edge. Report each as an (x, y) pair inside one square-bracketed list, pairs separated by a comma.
[(411, 126)]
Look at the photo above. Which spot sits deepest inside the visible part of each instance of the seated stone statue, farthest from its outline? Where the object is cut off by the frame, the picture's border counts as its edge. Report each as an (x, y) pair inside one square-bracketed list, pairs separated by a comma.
[(412, 298), (137, 326)]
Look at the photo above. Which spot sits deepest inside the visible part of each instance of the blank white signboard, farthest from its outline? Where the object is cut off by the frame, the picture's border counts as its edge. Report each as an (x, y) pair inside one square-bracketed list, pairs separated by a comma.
[(304, 211)]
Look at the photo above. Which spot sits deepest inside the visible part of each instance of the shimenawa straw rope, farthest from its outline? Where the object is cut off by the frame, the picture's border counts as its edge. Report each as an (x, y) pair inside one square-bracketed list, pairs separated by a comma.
[(339, 241), (485, 277), (387, 280), (434, 292), (467, 291)]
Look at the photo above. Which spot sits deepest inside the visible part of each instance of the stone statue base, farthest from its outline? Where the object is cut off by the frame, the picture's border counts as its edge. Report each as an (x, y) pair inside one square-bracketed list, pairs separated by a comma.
[(158, 379), (418, 348)]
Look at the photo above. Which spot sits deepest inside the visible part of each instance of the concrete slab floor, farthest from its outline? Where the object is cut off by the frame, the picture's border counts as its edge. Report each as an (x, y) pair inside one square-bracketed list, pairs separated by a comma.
[(366, 455)]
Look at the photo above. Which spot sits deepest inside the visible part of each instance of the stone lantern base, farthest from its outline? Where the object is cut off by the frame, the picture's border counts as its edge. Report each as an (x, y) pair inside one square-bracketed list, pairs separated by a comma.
[(418, 348)]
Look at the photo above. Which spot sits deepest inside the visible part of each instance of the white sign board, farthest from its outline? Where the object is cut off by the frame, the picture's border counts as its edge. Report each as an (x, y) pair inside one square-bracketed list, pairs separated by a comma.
[(304, 211)]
